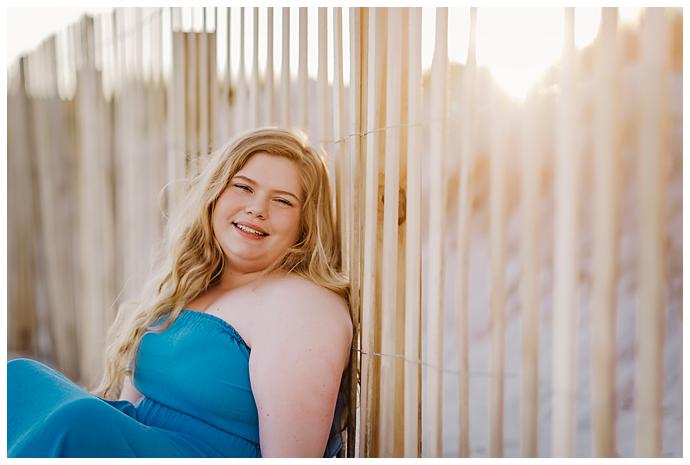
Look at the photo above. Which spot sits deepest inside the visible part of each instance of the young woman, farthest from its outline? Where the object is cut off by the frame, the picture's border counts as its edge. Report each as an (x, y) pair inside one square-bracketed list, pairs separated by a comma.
[(239, 346)]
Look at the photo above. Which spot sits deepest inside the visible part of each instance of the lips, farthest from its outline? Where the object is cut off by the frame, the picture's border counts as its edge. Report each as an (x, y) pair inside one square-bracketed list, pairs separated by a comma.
[(250, 225), (253, 226)]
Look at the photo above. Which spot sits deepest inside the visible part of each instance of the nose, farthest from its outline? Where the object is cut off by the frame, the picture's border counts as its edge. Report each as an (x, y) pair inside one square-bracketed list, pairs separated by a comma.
[(256, 208)]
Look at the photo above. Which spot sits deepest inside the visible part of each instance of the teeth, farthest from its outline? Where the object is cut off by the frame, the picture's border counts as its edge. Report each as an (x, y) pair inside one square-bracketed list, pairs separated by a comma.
[(249, 230)]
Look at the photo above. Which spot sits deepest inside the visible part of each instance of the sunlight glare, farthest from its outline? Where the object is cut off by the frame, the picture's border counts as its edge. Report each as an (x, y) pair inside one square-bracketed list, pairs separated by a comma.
[(519, 44)]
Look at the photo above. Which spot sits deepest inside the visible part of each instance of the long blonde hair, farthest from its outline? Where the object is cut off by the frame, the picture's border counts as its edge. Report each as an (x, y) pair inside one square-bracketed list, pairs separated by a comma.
[(193, 260)]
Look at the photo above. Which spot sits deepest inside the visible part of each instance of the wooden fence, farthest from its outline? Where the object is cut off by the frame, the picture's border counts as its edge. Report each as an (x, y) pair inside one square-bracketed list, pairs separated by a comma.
[(463, 212)]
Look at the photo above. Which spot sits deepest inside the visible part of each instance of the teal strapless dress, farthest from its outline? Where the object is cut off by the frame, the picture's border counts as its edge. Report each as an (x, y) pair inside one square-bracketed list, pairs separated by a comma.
[(197, 402)]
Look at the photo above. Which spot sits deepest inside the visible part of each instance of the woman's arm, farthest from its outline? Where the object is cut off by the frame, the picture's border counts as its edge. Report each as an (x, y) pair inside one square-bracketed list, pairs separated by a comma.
[(295, 368), (129, 392)]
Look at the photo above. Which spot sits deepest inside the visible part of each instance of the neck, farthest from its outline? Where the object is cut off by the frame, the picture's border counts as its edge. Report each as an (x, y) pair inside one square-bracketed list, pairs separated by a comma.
[(230, 280)]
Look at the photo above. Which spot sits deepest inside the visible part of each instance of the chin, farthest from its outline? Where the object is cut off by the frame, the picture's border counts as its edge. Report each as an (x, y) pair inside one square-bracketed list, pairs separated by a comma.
[(250, 263)]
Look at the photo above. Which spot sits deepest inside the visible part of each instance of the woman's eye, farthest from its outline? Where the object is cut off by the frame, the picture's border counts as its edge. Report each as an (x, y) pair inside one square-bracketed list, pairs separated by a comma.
[(283, 201), (243, 187)]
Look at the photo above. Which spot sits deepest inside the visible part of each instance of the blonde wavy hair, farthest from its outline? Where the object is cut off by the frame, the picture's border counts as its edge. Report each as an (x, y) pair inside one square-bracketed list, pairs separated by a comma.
[(192, 259)]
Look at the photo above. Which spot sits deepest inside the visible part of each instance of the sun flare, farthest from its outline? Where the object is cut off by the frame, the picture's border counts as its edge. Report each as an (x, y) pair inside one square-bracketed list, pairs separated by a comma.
[(518, 45)]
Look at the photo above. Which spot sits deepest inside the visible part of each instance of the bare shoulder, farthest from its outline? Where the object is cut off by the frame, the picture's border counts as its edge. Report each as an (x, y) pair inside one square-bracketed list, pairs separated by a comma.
[(299, 289), (300, 299)]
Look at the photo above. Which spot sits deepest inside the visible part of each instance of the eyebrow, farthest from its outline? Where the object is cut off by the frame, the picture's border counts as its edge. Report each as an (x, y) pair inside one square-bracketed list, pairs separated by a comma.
[(251, 181)]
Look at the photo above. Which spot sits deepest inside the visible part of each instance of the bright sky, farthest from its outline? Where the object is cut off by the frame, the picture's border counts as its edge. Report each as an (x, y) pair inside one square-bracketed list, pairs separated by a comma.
[(27, 27), (516, 44)]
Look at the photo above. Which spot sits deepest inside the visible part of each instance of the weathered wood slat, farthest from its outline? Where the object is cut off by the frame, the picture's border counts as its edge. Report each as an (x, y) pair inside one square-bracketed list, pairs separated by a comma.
[(412, 393), (22, 220), (341, 194), (191, 103), (432, 428), (226, 102), (371, 318), (322, 101), (652, 171), (270, 117), (401, 225), (176, 108), (390, 442), (285, 87), (531, 166), (565, 297), (56, 168), (213, 96), (203, 96), (468, 142), (254, 110), (356, 123), (500, 123), (96, 220), (240, 103), (302, 74), (606, 221), (323, 106)]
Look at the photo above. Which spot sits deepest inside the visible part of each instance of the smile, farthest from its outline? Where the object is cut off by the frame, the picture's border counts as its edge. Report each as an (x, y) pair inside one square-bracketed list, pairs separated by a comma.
[(248, 232)]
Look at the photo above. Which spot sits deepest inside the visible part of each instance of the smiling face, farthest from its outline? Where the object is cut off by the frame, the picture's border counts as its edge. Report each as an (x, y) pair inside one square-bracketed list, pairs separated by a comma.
[(257, 217)]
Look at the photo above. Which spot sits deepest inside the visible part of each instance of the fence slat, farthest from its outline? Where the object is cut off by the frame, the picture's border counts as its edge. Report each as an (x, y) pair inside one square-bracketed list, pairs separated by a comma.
[(323, 108), (531, 162), (254, 111), (413, 243), (401, 227), (356, 124), (343, 208), (269, 89), (302, 76), (119, 78), (56, 169), (413, 304), (565, 260), (229, 93), (323, 119), (176, 105), (213, 139), (433, 426), (96, 223), (469, 89), (137, 43), (285, 87), (239, 106), (75, 55), (191, 110), (343, 211), (605, 256), (371, 319), (22, 225), (157, 47), (203, 94), (500, 123), (389, 416), (652, 172)]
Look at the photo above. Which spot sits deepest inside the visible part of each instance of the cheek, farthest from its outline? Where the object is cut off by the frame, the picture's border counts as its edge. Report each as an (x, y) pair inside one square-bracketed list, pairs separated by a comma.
[(222, 210), (290, 224), (229, 200), (226, 207), (217, 226)]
